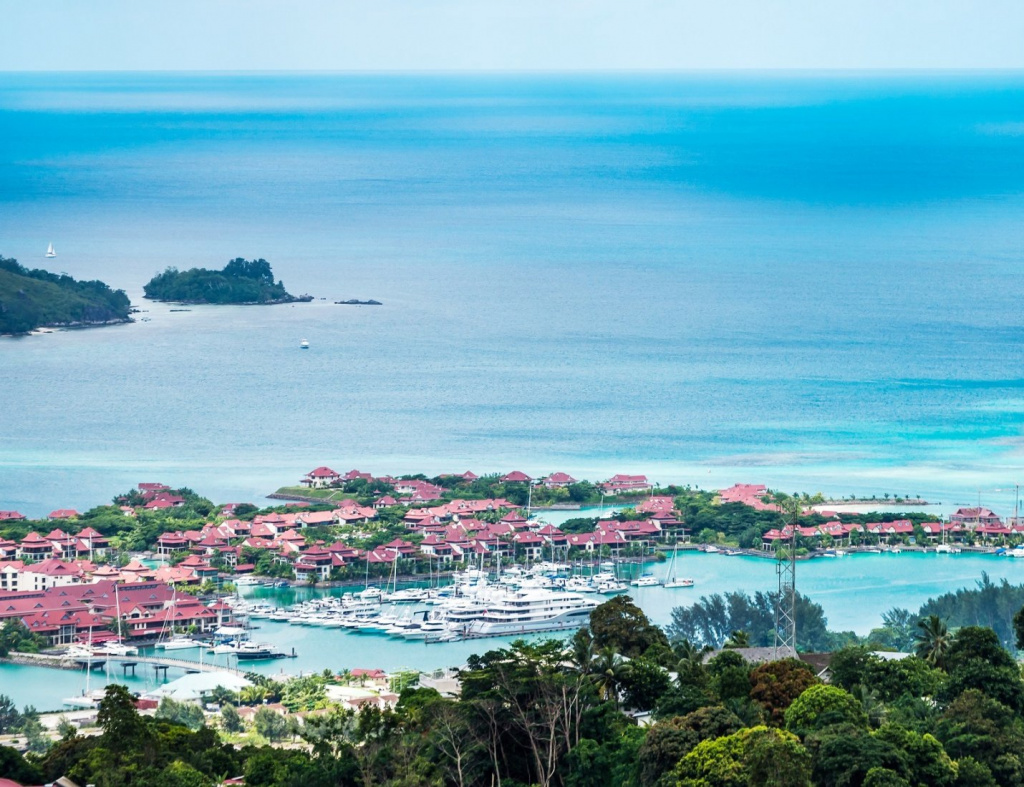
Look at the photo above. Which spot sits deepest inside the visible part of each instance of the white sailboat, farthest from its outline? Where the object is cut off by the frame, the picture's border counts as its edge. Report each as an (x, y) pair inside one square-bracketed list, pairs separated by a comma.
[(673, 582), (50, 253)]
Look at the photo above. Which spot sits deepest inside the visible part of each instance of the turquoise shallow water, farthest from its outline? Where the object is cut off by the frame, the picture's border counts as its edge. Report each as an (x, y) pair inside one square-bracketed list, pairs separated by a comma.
[(854, 592), (812, 281)]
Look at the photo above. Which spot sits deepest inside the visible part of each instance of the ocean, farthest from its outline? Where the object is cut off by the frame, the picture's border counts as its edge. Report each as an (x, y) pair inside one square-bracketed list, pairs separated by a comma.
[(809, 281)]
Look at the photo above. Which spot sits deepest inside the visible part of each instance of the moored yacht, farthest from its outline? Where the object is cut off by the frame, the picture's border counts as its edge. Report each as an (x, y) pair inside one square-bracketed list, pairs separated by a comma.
[(531, 611)]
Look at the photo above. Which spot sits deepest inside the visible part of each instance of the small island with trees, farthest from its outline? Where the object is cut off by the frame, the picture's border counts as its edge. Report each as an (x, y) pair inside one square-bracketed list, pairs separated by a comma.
[(241, 282), (31, 299)]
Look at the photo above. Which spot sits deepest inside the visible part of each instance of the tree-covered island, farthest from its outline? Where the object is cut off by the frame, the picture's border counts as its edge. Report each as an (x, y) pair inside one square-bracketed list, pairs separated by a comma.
[(31, 299), (240, 282)]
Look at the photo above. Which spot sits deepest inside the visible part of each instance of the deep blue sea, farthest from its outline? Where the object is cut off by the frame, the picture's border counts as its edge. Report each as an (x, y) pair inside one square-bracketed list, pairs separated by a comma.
[(812, 281)]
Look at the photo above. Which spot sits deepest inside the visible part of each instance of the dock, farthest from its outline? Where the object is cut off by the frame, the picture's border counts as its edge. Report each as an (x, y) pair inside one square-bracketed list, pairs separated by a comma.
[(158, 663)]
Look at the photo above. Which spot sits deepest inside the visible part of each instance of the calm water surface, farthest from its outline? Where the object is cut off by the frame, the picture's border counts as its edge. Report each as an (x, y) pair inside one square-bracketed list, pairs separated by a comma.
[(809, 281)]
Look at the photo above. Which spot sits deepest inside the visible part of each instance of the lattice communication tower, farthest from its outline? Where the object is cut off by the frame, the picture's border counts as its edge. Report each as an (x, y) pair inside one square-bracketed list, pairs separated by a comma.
[(785, 603)]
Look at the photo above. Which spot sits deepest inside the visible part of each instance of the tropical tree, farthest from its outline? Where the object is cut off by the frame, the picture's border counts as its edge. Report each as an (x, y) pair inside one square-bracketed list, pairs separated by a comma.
[(738, 639), (270, 724), (932, 640), (607, 673), (230, 719), (822, 705)]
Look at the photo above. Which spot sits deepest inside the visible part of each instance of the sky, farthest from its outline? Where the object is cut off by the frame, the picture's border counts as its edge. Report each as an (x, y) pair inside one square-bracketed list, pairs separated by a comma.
[(509, 35)]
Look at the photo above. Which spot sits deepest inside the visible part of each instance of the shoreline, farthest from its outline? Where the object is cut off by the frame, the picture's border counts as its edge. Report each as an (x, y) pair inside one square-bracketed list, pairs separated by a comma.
[(57, 327)]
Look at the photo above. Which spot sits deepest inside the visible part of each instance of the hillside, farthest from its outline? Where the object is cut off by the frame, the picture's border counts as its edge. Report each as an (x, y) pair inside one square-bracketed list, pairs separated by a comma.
[(240, 282), (31, 299)]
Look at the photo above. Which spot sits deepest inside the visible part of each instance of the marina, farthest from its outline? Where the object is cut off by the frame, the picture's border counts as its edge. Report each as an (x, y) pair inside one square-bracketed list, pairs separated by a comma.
[(878, 582)]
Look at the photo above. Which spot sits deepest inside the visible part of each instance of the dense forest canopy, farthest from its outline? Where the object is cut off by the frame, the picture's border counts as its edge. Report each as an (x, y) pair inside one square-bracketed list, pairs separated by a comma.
[(241, 281), (31, 299)]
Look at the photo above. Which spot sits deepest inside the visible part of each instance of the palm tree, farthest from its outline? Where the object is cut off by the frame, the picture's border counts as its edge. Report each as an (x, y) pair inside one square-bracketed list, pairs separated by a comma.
[(690, 669), (581, 651), (932, 641), (609, 669), (738, 639)]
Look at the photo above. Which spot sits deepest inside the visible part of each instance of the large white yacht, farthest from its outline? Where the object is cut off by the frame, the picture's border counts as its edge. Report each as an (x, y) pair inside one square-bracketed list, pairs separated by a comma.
[(531, 611)]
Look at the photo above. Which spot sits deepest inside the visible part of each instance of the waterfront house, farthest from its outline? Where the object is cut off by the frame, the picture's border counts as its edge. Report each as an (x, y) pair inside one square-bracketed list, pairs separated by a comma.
[(656, 504), (749, 495), (438, 547), (82, 612), (11, 516), (63, 513), (891, 531), (316, 563), (516, 477), (626, 484), (558, 481), (553, 535), (320, 477), (934, 530), (8, 549), (385, 502), (515, 520), (998, 532), (529, 545), (406, 548), (973, 518), (355, 475), (382, 555)]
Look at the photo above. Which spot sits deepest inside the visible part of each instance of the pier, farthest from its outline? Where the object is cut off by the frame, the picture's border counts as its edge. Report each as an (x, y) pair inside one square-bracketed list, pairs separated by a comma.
[(126, 663)]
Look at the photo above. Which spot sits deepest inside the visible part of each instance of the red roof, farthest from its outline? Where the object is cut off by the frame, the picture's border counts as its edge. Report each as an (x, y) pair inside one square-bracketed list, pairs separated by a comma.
[(516, 477), (322, 472), (4, 515), (63, 513)]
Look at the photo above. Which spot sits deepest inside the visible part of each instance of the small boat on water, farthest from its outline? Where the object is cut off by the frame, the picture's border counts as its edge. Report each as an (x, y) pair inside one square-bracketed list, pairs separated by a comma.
[(250, 651), (646, 581), (116, 649), (303, 345), (50, 253), (177, 643), (673, 581)]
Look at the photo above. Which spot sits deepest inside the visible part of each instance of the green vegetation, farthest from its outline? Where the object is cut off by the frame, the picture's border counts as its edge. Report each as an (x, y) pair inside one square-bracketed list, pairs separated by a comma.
[(557, 714), (714, 619), (241, 281), (14, 636), (31, 299)]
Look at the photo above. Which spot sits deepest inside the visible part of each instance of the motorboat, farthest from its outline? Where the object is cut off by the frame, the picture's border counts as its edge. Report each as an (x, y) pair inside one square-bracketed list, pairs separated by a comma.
[(116, 649), (646, 581), (250, 651), (531, 611)]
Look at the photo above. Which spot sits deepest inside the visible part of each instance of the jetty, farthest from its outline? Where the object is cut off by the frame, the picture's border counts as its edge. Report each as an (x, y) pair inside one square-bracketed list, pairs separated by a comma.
[(159, 663)]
